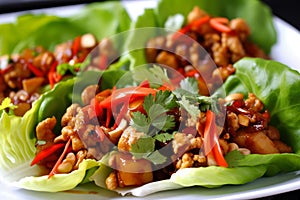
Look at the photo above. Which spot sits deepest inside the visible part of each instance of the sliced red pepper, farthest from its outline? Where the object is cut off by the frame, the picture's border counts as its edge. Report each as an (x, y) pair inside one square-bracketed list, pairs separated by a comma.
[(121, 114), (193, 25), (51, 79), (191, 73), (53, 76), (123, 94), (108, 117), (145, 84), (219, 24), (57, 77), (211, 140), (59, 161), (76, 45), (35, 70), (46, 152)]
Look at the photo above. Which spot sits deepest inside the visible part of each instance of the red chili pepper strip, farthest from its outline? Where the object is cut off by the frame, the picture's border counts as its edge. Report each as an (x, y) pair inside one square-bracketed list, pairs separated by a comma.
[(53, 76), (51, 79), (54, 169), (76, 45), (57, 77), (218, 23), (145, 84), (218, 155), (45, 153), (193, 25), (199, 22), (108, 117), (123, 94), (211, 142), (192, 73), (35, 70), (121, 114)]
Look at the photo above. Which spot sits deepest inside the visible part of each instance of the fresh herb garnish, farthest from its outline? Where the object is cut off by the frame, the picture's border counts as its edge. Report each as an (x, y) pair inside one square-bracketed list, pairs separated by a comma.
[(156, 118), (156, 75), (145, 148), (164, 137)]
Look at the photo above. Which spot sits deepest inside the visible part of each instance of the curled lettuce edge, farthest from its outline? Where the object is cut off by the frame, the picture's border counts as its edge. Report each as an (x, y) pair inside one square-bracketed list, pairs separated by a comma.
[(59, 182)]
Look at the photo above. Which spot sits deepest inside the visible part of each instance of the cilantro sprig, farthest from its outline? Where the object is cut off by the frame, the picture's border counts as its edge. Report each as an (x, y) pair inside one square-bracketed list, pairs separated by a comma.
[(156, 118)]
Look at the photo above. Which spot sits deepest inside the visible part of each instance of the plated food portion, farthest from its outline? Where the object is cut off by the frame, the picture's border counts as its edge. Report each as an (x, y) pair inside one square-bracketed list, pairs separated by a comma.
[(34, 60), (202, 105), (28, 74), (227, 41)]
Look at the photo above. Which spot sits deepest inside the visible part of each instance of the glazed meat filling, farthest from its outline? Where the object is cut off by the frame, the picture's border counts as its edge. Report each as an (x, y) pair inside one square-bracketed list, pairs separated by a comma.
[(23, 76), (225, 41), (92, 135)]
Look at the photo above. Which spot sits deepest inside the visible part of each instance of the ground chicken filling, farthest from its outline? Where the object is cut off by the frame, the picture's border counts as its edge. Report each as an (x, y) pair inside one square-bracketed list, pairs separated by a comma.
[(226, 42), (89, 133), (22, 76)]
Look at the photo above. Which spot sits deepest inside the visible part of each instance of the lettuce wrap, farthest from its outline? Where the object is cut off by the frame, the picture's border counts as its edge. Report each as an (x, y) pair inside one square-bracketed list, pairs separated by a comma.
[(276, 85), (171, 16), (18, 144), (30, 30)]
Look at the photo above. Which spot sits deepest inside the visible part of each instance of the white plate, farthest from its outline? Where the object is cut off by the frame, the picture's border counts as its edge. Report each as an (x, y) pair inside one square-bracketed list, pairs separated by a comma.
[(285, 51)]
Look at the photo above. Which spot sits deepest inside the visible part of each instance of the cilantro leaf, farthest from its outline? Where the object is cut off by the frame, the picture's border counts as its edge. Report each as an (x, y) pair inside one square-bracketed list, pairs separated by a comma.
[(145, 148), (190, 84), (156, 118), (192, 109), (143, 145), (188, 88), (140, 122), (164, 137), (208, 103), (156, 75), (156, 157)]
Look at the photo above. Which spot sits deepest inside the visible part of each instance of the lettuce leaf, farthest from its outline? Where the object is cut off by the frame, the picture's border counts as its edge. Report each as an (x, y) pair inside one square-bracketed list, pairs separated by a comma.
[(17, 145), (257, 14), (101, 19), (277, 86), (59, 182)]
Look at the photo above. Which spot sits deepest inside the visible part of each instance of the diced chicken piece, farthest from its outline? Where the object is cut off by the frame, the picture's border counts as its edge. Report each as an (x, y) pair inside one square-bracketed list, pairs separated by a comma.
[(167, 59), (128, 138), (131, 172), (282, 147), (33, 84), (89, 93), (256, 142)]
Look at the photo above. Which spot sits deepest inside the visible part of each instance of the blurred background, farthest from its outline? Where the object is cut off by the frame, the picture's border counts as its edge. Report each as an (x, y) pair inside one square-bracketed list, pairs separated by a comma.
[(287, 10)]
